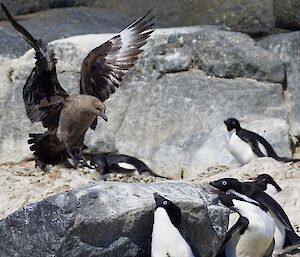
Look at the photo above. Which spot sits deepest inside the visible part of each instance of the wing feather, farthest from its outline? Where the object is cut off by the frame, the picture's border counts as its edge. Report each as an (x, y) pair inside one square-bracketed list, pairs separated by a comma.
[(104, 67), (42, 94)]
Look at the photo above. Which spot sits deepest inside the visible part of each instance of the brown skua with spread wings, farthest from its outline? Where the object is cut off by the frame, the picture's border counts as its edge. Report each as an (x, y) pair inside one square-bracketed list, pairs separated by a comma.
[(66, 116)]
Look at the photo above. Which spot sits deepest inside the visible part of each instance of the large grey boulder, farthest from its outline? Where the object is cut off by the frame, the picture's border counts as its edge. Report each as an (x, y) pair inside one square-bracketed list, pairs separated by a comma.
[(110, 219), (215, 50), (168, 112), (287, 47)]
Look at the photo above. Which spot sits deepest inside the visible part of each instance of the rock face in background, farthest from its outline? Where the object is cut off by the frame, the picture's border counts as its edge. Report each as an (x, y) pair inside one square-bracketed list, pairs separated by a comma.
[(169, 112), (110, 219), (287, 13), (287, 48), (60, 23), (256, 17)]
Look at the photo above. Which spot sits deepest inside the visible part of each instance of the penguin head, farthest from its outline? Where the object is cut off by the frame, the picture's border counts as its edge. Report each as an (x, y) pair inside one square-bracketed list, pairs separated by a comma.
[(263, 180), (226, 198), (232, 123), (173, 211), (225, 184), (100, 164)]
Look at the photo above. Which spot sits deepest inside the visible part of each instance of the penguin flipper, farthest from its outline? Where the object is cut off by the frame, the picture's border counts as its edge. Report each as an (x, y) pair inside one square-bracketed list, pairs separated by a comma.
[(275, 208), (270, 249), (249, 138), (292, 242), (233, 235)]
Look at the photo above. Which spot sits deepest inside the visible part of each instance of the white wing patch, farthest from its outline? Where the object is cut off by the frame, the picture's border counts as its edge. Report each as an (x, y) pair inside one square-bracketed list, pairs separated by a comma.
[(271, 190), (126, 165)]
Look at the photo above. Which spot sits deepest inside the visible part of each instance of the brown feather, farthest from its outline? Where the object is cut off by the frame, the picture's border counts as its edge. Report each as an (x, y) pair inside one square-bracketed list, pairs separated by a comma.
[(103, 68)]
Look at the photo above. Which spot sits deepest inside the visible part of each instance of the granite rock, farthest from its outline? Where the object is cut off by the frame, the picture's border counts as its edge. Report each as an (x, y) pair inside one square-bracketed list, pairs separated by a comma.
[(254, 17), (287, 48), (110, 219), (287, 14)]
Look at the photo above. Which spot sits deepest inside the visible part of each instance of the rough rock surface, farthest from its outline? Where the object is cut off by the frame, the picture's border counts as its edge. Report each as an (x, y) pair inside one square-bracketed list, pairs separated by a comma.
[(110, 219), (287, 48), (59, 23), (287, 13), (254, 17), (22, 184), (180, 108)]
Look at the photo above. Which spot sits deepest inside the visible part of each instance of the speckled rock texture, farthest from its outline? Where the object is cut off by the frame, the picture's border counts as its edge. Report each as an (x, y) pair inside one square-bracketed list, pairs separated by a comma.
[(110, 219)]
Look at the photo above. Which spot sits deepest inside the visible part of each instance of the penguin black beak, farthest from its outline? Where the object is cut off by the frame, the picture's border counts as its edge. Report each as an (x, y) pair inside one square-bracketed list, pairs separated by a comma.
[(158, 199), (212, 183), (226, 124)]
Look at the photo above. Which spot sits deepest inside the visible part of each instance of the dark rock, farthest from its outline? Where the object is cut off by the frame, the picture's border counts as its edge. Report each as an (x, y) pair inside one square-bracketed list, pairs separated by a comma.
[(253, 17), (116, 223), (59, 23), (18, 7), (287, 47), (287, 14)]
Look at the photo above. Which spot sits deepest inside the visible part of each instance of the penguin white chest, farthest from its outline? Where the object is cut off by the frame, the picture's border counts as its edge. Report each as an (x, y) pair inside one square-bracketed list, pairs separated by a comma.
[(166, 238), (271, 190), (257, 237), (240, 149)]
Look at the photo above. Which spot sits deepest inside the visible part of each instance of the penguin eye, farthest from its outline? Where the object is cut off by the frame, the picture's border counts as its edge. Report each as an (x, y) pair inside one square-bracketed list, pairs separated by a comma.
[(263, 179), (165, 202), (224, 183)]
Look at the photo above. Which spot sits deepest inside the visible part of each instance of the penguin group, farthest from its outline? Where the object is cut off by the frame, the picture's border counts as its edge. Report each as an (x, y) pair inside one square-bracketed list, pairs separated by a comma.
[(262, 229)]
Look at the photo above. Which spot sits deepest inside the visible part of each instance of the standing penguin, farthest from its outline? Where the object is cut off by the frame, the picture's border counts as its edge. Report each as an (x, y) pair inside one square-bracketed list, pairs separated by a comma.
[(249, 192), (252, 235), (168, 237), (246, 145), (285, 240)]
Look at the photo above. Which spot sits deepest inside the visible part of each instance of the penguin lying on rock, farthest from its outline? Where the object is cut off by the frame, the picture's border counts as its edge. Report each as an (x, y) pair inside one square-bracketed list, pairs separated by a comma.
[(252, 235), (246, 145), (168, 236), (120, 163)]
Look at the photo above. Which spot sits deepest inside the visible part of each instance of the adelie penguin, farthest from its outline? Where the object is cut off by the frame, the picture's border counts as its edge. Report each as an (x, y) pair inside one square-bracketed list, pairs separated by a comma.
[(252, 235), (266, 183), (285, 240), (250, 192), (121, 164), (168, 236), (246, 145)]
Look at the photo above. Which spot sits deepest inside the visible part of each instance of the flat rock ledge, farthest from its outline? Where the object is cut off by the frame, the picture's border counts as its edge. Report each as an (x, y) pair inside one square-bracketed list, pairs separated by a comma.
[(110, 219)]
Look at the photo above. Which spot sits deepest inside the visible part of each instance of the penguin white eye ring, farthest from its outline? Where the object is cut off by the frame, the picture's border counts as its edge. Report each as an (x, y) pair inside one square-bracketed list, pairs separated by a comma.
[(165, 202), (224, 183)]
